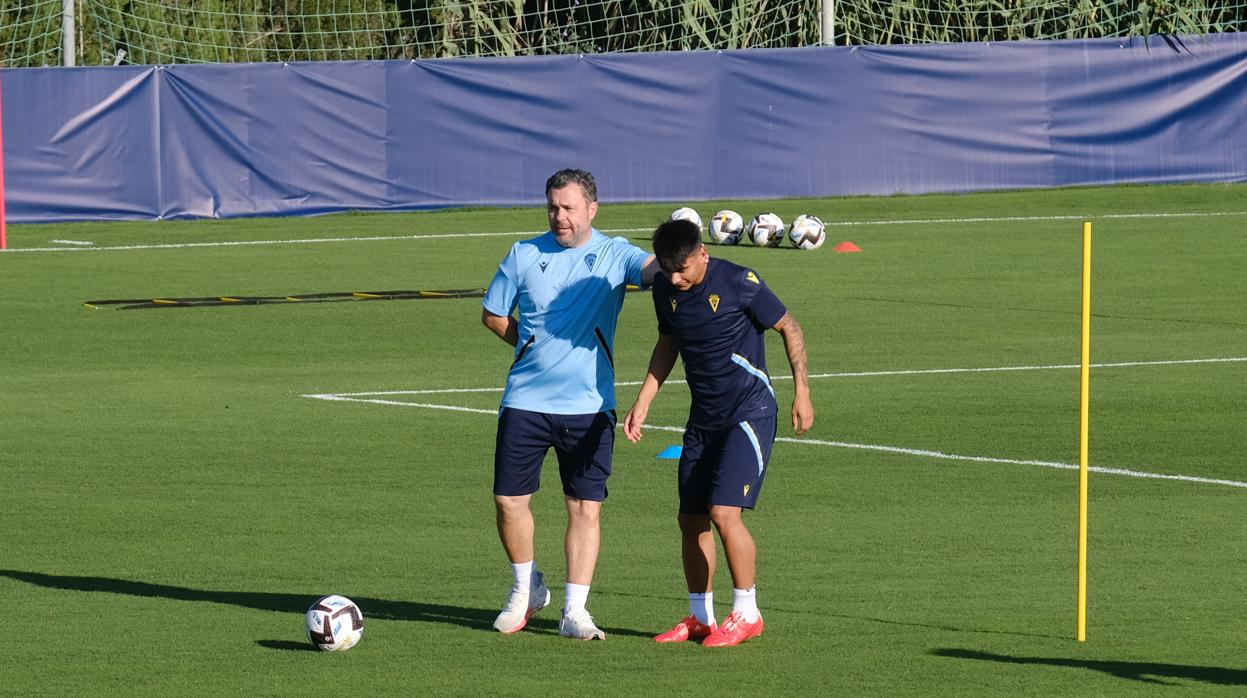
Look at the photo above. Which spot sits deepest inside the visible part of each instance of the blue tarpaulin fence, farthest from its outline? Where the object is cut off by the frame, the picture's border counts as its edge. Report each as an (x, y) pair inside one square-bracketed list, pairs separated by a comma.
[(141, 142)]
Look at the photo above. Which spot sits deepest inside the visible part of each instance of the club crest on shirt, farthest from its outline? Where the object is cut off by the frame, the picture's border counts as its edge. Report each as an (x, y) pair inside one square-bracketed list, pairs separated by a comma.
[(752, 277), (590, 259), (673, 305), (714, 302)]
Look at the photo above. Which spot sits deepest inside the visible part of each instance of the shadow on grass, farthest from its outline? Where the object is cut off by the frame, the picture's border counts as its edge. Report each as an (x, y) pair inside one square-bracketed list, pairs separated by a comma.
[(767, 608), (384, 609), (287, 645), (1145, 672), (939, 626)]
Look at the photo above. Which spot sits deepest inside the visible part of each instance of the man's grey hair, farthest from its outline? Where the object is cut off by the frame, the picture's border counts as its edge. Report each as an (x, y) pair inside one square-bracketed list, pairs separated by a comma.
[(562, 178)]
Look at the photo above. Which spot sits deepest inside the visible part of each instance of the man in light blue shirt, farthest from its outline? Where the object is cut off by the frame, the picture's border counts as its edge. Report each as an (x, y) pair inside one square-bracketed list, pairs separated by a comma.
[(568, 287)]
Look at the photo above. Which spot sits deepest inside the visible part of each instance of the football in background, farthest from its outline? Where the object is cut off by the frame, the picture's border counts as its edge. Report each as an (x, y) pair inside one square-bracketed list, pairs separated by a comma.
[(725, 228), (687, 214), (807, 232), (766, 230)]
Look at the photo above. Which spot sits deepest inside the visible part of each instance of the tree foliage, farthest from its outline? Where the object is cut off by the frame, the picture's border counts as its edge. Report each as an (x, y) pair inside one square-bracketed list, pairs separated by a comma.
[(232, 31)]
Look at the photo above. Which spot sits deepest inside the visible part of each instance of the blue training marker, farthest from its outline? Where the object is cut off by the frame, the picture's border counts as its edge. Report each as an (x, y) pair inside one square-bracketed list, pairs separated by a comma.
[(671, 452)]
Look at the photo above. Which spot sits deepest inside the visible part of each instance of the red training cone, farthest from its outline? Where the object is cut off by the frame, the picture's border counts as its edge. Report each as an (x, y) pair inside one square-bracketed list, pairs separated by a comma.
[(847, 246)]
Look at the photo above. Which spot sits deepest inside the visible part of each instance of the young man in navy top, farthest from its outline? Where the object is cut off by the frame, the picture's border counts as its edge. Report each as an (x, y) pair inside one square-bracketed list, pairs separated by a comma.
[(714, 315)]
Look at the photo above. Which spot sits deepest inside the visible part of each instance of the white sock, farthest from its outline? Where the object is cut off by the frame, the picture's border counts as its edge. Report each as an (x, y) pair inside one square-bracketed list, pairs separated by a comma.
[(575, 596), (746, 601), (702, 607), (524, 574)]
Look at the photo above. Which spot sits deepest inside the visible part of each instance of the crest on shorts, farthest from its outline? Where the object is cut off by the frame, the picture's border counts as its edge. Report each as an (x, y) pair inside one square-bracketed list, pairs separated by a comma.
[(714, 302), (746, 490)]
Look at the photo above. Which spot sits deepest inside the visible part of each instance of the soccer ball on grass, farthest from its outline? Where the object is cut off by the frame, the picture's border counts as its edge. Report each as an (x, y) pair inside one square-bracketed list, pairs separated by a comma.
[(686, 214), (725, 228), (766, 230), (807, 232), (334, 623)]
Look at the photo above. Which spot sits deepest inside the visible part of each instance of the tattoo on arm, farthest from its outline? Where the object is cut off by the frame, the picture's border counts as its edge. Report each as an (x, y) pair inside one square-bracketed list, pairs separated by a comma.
[(794, 344)]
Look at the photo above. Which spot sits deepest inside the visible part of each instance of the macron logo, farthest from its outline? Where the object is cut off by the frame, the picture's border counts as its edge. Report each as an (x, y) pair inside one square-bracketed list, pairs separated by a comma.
[(543, 266)]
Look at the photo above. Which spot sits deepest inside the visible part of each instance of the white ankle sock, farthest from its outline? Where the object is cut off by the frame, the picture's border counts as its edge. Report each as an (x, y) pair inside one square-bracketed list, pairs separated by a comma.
[(702, 607), (575, 596), (524, 572), (746, 601)]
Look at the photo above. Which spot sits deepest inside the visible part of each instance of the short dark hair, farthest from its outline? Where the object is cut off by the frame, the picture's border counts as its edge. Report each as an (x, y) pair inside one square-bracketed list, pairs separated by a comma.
[(584, 178), (674, 241)]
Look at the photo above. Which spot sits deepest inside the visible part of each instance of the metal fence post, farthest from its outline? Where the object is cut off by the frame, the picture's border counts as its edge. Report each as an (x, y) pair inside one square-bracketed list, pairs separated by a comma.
[(68, 54)]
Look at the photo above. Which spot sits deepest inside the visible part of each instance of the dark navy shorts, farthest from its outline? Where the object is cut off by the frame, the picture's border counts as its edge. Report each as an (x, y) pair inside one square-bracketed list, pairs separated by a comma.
[(582, 442), (725, 466)]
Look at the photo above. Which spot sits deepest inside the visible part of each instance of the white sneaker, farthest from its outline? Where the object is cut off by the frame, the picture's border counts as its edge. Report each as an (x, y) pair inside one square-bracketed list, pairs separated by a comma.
[(578, 624), (520, 606)]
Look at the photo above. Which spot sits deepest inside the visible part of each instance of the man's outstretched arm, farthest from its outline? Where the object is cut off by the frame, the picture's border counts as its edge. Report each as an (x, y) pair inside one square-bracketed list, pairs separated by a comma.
[(648, 270)]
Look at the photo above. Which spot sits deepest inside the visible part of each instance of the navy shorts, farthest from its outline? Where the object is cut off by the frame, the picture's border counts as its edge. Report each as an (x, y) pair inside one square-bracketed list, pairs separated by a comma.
[(725, 466), (582, 442)]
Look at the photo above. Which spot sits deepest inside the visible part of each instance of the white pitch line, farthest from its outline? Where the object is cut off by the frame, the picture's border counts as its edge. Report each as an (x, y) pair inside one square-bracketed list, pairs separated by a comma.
[(989, 459), (398, 403), (241, 243), (1118, 364), (1011, 461), (923, 453), (1025, 219), (853, 374), (73, 242), (435, 391), (434, 236), (370, 398)]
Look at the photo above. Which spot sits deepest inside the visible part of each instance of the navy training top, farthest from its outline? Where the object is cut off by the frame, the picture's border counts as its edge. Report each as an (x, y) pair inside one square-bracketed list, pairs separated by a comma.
[(720, 324)]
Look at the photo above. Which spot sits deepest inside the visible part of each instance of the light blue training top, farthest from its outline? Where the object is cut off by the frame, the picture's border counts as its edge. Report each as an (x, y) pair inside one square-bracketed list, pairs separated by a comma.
[(569, 300)]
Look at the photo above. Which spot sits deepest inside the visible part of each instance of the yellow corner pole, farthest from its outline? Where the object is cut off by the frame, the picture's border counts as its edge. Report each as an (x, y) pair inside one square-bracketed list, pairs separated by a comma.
[(1083, 405)]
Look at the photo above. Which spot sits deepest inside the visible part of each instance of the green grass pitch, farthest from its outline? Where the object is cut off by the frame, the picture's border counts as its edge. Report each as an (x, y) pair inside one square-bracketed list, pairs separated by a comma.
[(172, 501)]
